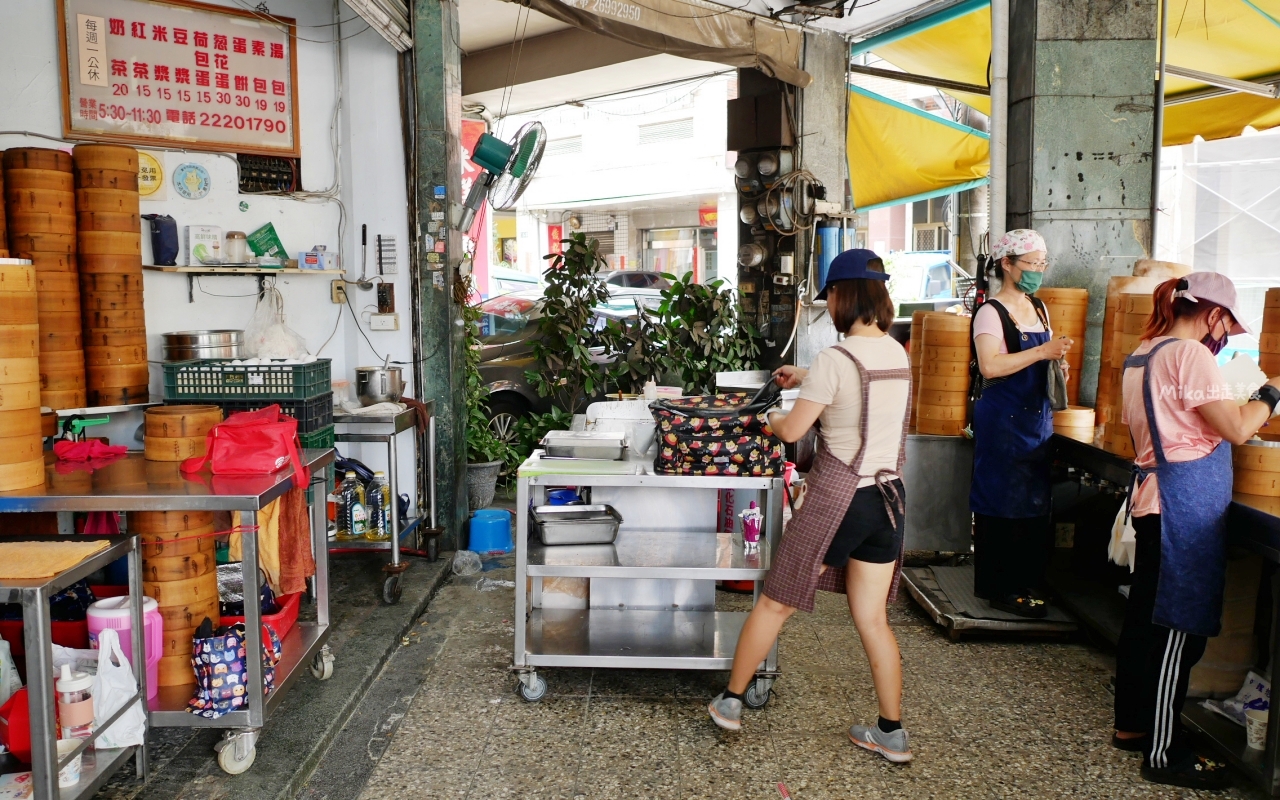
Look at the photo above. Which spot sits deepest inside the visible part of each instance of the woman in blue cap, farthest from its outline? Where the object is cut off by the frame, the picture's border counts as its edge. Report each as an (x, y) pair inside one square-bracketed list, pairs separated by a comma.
[(846, 532), (1012, 425)]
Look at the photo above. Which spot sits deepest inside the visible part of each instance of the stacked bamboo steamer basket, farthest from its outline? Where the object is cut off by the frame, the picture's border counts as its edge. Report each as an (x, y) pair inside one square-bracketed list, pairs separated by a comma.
[(21, 442), (1269, 340), (943, 397), (41, 219), (179, 572), (1076, 422), (1257, 468), (110, 232), (176, 433), (917, 359), (4, 231), (1068, 315), (1129, 319)]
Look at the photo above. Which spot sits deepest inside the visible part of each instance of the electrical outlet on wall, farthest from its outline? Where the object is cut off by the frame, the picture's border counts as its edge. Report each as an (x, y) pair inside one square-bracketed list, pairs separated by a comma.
[(337, 292), (384, 322)]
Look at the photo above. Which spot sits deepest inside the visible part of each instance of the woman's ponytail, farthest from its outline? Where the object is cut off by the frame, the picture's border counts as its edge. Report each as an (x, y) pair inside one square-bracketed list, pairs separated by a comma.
[(1167, 308)]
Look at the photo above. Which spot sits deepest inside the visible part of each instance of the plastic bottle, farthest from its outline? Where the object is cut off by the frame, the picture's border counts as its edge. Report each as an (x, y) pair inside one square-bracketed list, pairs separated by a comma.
[(346, 494), (357, 510), (75, 703), (378, 496)]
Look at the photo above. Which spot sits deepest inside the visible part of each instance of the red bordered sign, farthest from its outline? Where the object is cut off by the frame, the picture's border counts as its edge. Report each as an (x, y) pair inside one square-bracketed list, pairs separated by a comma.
[(179, 73)]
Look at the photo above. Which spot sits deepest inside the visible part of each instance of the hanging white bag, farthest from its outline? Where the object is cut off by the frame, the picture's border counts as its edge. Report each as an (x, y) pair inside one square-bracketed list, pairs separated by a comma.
[(1124, 540), (9, 680), (113, 687)]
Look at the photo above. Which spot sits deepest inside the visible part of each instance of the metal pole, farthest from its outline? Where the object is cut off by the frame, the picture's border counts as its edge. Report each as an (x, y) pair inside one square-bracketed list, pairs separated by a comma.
[(999, 116), (1157, 135)]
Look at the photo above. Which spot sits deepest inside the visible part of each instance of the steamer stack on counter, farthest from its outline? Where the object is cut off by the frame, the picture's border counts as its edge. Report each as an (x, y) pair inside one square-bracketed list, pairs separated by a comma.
[(1068, 314), (21, 443), (1269, 340), (41, 220), (917, 359), (1257, 468), (179, 570), (943, 396), (176, 433), (1128, 306), (4, 230), (110, 241)]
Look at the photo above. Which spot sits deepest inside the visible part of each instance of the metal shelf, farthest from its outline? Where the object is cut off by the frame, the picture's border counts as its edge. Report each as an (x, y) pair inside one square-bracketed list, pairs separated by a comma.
[(202, 270), (633, 638), (1229, 737), (653, 554), (655, 481), (96, 767)]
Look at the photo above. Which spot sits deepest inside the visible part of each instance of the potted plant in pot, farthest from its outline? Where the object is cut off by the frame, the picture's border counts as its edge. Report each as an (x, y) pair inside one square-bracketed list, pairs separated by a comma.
[(486, 453)]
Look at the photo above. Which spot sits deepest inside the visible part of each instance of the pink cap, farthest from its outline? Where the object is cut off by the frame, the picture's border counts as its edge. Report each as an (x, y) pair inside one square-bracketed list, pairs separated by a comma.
[(1213, 288)]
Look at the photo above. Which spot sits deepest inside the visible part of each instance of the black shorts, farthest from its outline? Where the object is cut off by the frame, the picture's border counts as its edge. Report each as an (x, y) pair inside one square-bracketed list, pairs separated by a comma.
[(865, 533)]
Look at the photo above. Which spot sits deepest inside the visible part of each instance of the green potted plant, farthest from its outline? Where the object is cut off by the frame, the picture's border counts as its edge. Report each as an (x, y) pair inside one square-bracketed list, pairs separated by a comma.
[(486, 453)]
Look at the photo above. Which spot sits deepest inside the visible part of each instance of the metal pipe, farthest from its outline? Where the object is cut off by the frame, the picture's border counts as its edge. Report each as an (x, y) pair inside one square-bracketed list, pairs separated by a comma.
[(922, 80), (1267, 90), (999, 117), (1157, 134)]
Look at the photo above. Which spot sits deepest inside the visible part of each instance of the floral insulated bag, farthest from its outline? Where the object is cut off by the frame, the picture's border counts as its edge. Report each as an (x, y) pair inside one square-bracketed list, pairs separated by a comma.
[(222, 673), (721, 434)]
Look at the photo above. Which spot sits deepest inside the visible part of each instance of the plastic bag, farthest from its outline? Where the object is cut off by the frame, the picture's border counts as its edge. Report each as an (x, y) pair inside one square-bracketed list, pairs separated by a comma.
[(267, 335), (466, 562), (113, 687), (9, 680), (1124, 540)]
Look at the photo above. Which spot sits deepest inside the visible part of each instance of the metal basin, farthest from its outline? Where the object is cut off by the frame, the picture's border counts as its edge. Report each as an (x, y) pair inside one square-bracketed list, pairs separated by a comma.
[(186, 345)]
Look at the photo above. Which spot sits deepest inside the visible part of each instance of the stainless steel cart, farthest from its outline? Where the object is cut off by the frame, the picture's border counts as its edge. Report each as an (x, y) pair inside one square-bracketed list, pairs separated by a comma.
[(387, 429), (651, 601), (134, 484), (98, 765)]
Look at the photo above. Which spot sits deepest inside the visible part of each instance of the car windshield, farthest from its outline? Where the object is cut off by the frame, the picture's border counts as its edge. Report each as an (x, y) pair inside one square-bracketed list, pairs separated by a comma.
[(502, 319)]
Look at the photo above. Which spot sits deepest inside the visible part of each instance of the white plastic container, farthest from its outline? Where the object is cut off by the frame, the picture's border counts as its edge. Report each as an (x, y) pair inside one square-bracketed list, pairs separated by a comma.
[(75, 703)]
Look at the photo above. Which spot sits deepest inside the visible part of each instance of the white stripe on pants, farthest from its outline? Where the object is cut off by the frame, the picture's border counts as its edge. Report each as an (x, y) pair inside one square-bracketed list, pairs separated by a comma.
[(1166, 691)]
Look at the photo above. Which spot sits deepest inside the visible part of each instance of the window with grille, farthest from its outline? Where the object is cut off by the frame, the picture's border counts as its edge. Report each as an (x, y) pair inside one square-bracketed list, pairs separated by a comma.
[(668, 131), (570, 145)]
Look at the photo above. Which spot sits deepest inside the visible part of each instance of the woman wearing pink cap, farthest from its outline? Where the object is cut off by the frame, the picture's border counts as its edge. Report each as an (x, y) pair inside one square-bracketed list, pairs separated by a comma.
[(1179, 413)]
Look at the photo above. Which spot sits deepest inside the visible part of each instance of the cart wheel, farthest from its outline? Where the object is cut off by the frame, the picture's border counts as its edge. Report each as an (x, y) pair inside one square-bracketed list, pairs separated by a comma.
[(235, 756), (322, 665), (391, 590), (757, 695), (535, 692)]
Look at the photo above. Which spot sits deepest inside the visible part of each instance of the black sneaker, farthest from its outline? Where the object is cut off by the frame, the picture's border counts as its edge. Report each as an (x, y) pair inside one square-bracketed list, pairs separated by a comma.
[(1135, 744), (1021, 604), (1200, 773)]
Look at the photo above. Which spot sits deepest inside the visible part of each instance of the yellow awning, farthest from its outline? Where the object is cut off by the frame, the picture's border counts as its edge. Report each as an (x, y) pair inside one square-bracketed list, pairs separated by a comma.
[(898, 153), (1232, 38)]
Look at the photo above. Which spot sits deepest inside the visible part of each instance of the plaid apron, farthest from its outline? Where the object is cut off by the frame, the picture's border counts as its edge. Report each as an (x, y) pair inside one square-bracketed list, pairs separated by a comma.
[(828, 490)]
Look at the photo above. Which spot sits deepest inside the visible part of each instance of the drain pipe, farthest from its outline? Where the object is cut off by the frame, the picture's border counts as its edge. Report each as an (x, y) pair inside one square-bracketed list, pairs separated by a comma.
[(999, 118), (1157, 137)]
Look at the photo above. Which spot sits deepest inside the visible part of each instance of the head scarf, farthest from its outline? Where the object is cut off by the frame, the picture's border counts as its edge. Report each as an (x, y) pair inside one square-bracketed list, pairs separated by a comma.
[(1018, 243)]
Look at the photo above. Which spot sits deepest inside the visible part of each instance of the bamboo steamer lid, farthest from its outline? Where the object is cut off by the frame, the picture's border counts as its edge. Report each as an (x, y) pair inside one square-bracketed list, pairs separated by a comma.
[(190, 615), (953, 354), (173, 449), (939, 427), (48, 423), (176, 640), (1251, 481), (59, 302), (22, 243), (17, 396), (946, 339), (114, 200), (1272, 298), (1134, 324), (107, 356), (115, 318), (947, 368), (19, 423), (944, 383), (177, 568), (111, 301), (946, 322), (176, 670), (46, 180), (111, 242), (119, 396), (56, 342), (19, 370), (49, 201), (20, 449), (184, 592), (1074, 417), (17, 278), (163, 521), (59, 322), (952, 412), (42, 222), (19, 309), (110, 264), (111, 283), (19, 341), (105, 156), (22, 475), (76, 398), (62, 381), (118, 375), (932, 397), (1063, 296), (54, 282), (52, 262), (108, 221), (37, 158), (124, 180), (114, 337), (181, 421), (1139, 303)]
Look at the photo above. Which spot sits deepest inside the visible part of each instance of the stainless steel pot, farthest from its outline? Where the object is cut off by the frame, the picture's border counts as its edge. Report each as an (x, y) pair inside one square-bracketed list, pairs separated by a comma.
[(378, 385), (186, 345)]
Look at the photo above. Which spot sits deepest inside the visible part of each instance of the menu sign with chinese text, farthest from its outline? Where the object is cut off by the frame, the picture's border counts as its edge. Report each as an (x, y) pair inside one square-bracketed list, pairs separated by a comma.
[(171, 72)]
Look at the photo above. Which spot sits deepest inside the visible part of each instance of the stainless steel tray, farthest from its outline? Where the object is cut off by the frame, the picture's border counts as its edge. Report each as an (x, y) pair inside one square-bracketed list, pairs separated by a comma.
[(597, 524), (606, 445)]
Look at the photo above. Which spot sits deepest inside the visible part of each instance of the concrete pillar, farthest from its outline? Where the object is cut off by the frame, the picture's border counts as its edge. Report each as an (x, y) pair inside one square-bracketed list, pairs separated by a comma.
[(1081, 94), (437, 128)]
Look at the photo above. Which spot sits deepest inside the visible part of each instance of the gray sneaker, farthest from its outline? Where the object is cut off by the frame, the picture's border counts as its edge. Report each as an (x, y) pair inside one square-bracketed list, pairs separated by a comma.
[(894, 746), (726, 712)]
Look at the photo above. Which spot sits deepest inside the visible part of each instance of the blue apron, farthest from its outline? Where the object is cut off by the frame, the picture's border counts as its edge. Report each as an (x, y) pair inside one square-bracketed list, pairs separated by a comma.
[(1194, 496), (1012, 426)]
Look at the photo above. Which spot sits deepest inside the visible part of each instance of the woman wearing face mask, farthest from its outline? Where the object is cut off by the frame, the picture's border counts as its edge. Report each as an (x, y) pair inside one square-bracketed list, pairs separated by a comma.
[(1012, 425), (1179, 412)]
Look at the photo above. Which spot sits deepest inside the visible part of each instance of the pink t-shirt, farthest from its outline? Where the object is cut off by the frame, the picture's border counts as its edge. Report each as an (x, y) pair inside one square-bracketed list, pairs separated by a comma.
[(988, 321), (1184, 376)]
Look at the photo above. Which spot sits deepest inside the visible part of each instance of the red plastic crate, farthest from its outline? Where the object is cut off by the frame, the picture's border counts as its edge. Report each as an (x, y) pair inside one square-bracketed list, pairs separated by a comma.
[(67, 634), (282, 621)]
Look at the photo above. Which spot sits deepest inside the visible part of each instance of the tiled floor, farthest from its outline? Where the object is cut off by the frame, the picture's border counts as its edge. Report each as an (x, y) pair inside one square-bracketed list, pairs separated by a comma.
[(988, 719)]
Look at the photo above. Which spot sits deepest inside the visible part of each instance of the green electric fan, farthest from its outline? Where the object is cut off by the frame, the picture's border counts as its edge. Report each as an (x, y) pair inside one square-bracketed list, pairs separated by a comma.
[(508, 169)]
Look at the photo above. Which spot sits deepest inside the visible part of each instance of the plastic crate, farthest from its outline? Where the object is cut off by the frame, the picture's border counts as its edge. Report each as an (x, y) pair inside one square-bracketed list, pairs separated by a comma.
[(322, 438), (313, 415), (219, 379)]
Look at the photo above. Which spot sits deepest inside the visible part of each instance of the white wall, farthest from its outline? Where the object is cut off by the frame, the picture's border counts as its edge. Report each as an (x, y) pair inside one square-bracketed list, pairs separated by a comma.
[(370, 183)]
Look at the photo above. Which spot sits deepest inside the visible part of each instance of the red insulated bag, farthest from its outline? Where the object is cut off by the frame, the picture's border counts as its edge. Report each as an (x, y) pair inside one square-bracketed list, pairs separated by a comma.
[(253, 443)]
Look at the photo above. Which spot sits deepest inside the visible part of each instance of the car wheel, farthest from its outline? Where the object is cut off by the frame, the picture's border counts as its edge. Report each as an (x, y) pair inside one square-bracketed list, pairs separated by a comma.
[(504, 417)]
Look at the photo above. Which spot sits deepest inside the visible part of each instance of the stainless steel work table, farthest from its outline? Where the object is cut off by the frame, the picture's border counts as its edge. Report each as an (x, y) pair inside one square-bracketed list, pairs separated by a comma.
[(652, 592), (386, 429), (98, 765), (1253, 523), (135, 484)]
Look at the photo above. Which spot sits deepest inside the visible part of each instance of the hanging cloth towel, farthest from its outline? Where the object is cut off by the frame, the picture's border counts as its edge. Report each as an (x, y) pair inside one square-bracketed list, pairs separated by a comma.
[(268, 542)]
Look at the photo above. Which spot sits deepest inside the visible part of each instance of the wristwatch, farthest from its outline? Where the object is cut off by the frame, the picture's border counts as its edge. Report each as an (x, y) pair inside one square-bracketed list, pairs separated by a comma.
[(1267, 394)]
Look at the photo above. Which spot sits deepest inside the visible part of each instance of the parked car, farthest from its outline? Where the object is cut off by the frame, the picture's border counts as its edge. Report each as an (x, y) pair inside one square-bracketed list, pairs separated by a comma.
[(636, 279), (508, 325)]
